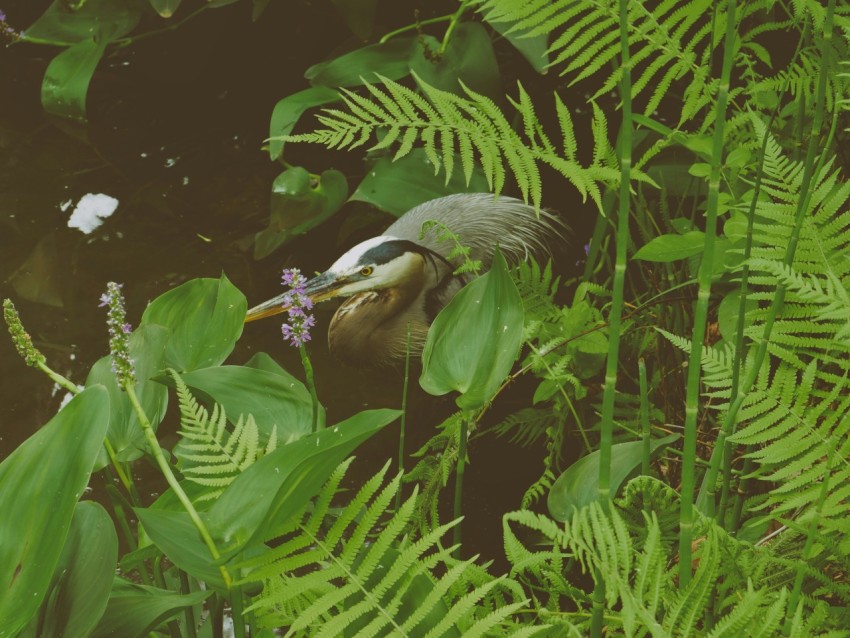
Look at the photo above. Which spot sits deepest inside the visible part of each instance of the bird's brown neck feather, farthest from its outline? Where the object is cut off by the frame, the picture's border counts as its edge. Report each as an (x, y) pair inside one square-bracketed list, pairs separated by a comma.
[(371, 327)]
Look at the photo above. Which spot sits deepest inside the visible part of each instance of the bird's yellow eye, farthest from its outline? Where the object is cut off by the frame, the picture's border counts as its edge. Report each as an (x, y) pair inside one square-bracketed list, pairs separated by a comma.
[(366, 271)]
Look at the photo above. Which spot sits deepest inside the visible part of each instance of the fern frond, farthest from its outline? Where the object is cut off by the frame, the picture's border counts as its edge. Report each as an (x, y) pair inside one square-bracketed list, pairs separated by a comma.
[(471, 127), (209, 454), (361, 574)]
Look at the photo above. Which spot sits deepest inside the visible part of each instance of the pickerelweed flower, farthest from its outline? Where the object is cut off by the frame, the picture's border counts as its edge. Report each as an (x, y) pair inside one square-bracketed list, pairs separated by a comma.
[(20, 337), (7, 31), (296, 301), (119, 331)]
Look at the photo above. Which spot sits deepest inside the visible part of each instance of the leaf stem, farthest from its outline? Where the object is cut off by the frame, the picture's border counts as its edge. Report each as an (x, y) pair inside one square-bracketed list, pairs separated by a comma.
[(416, 25), (644, 418), (311, 385), (456, 16), (689, 447), (461, 467), (403, 425), (165, 468)]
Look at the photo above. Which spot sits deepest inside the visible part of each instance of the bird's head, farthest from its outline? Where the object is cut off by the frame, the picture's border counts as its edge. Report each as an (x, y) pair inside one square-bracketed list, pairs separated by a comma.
[(375, 264)]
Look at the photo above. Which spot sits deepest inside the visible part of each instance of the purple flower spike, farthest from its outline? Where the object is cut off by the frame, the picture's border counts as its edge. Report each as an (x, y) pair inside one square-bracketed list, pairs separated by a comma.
[(297, 331), (119, 330)]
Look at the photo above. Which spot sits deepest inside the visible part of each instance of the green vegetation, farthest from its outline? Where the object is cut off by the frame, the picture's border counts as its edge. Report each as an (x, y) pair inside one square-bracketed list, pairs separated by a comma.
[(702, 364)]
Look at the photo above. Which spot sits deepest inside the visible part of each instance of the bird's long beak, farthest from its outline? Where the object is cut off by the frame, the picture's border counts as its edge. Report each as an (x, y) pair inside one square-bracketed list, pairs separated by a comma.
[(320, 288)]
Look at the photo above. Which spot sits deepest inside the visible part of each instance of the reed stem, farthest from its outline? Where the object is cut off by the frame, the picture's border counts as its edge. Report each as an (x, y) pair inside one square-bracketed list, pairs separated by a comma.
[(311, 386), (689, 448), (461, 467)]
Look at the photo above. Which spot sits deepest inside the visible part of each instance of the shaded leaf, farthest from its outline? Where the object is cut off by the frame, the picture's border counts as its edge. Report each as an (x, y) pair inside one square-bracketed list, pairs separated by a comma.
[(134, 610), (359, 15), (165, 8), (299, 202), (38, 277), (389, 59), (83, 578), (578, 485), (468, 58), (275, 400), (278, 485), (100, 20), (397, 186), (289, 110), (147, 350)]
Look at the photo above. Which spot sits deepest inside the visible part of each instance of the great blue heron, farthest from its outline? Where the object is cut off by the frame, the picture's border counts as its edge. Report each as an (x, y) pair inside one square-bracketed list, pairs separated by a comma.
[(400, 279)]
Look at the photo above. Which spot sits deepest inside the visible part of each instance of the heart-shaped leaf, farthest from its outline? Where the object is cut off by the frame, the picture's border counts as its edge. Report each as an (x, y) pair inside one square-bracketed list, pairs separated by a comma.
[(475, 340), (299, 202), (204, 317)]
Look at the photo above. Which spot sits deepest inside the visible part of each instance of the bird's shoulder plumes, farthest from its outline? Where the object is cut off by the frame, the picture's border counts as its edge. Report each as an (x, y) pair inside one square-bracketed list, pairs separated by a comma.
[(482, 221)]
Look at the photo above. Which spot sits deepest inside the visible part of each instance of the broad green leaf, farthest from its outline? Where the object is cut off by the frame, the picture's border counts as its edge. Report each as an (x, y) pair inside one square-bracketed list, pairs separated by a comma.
[(40, 484), (278, 485), (389, 59), (165, 8), (299, 202), (275, 401), (666, 248), (578, 485), (727, 314), (735, 227), (147, 349), (289, 110), (135, 610), (205, 318), (177, 537), (101, 20), (66, 81), (468, 58), (359, 15), (397, 186), (84, 575), (475, 340), (534, 49)]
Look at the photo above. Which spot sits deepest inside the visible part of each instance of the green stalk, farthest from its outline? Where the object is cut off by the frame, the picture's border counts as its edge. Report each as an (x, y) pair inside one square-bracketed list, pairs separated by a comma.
[(606, 435), (403, 425), (644, 419), (165, 468), (689, 448), (461, 466), (615, 320), (416, 25), (311, 385)]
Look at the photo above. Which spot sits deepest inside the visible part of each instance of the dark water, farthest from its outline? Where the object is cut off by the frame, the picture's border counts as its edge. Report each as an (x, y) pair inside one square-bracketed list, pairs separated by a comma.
[(177, 125)]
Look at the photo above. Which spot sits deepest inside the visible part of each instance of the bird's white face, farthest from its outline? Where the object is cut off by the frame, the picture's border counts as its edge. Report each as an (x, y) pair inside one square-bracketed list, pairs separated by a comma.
[(367, 267), (375, 264)]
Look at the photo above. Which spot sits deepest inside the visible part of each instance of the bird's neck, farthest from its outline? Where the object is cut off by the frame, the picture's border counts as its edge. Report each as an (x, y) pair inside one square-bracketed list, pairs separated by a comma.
[(371, 327)]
